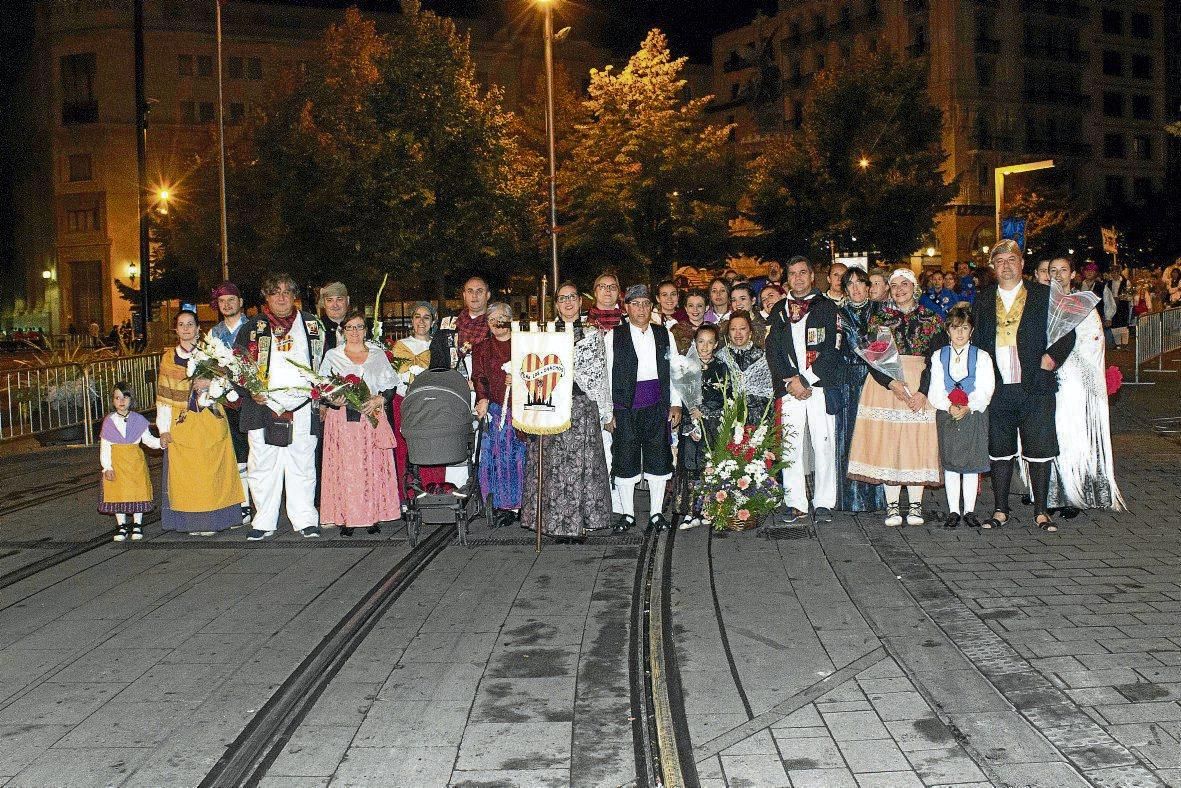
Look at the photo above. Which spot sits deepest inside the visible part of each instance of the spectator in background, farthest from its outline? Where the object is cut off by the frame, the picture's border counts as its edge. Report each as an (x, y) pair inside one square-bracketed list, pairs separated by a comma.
[(771, 295), (773, 276), (668, 304), (719, 301), (742, 300), (835, 292), (879, 290), (938, 297)]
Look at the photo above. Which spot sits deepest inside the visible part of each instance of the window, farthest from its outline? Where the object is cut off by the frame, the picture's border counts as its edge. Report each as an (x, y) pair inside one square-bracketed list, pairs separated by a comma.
[(1113, 187), (207, 113), (79, 104), (1141, 189), (1142, 147), (1113, 63), (188, 112), (1141, 25), (79, 167), (254, 68), (1142, 66), (83, 220), (1113, 104), (1142, 107), (1113, 21), (204, 65), (184, 65), (237, 113), (1113, 146), (235, 68)]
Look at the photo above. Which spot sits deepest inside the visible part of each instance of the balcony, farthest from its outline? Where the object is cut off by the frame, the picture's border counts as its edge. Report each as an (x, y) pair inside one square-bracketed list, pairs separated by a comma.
[(987, 46), (75, 112)]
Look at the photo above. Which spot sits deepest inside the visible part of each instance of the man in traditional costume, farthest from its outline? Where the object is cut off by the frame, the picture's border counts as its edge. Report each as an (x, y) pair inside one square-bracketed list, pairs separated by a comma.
[(1011, 318), (227, 300), (801, 347), (639, 361), (458, 336), (333, 305), (282, 426)]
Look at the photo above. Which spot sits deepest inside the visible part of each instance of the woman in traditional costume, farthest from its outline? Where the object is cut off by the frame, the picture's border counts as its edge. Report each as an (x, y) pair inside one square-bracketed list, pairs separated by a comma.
[(895, 441), (575, 483), (962, 384), (502, 453), (360, 478), (843, 394), (127, 485), (747, 363), (410, 356), (202, 490), (1084, 470)]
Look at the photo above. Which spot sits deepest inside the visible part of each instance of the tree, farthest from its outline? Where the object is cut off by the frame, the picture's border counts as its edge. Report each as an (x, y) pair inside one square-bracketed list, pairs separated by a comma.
[(385, 157), (649, 184), (866, 163)]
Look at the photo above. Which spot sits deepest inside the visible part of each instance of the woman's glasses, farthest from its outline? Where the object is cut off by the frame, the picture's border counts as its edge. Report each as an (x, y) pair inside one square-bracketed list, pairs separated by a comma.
[(355, 328), (568, 297)]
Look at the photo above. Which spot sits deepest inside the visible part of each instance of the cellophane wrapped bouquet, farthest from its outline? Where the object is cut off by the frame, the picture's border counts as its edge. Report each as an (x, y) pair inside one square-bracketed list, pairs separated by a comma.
[(882, 354), (216, 362), (349, 388), (739, 488)]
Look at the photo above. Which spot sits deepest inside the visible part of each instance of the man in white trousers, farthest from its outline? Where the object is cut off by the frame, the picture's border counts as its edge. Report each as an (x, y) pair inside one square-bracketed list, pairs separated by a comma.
[(283, 425), (801, 346)]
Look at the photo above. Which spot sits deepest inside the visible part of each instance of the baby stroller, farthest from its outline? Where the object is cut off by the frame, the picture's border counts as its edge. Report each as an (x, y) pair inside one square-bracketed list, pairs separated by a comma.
[(439, 429)]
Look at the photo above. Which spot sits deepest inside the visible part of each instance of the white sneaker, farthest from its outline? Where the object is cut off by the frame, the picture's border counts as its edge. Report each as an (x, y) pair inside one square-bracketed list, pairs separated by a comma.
[(121, 534), (692, 522), (137, 533), (202, 533)]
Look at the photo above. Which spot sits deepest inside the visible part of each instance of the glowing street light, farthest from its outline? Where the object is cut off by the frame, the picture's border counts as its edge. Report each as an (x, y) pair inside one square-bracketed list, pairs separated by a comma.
[(863, 163)]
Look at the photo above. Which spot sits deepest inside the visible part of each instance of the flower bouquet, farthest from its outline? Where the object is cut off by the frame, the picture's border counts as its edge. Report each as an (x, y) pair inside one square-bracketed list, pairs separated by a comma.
[(882, 354), (214, 361), (349, 388), (1067, 311), (738, 488)]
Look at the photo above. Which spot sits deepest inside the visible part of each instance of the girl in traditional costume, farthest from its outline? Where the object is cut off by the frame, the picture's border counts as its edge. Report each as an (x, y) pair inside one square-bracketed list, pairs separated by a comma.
[(127, 485), (962, 383), (202, 490), (700, 430)]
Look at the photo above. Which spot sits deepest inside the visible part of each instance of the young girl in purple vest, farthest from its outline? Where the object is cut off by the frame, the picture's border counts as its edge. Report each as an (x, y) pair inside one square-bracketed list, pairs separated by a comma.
[(962, 383), (126, 486)]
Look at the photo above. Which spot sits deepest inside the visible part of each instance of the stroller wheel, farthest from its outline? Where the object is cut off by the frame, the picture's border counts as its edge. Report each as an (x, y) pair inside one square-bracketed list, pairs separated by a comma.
[(489, 513), (413, 526)]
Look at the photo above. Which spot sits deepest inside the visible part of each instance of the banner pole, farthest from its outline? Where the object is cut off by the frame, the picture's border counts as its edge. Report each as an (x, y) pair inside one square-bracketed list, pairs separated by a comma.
[(540, 476)]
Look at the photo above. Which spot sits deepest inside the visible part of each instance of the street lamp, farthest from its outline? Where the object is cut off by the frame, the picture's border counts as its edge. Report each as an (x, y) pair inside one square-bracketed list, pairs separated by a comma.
[(548, 7), (999, 182), (863, 163)]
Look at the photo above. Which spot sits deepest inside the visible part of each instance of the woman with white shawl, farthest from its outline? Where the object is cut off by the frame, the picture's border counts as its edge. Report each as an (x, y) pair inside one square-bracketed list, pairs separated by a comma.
[(1084, 472)]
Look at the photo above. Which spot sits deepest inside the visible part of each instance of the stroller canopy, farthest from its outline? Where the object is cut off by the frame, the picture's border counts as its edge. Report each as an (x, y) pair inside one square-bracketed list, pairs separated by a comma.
[(437, 418)]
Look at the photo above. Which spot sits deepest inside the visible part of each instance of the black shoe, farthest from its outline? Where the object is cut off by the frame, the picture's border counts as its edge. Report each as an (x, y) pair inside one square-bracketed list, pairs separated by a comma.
[(658, 522), (1069, 512), (971, 520), (622, 523), (952, 520), (346, 530), (373, 529)]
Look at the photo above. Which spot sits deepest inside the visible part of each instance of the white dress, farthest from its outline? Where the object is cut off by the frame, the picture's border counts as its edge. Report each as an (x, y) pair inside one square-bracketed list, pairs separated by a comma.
[(1084, 472)]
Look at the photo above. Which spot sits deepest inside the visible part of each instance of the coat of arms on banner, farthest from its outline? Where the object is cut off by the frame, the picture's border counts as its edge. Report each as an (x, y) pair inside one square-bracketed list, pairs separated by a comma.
[(542, 370)]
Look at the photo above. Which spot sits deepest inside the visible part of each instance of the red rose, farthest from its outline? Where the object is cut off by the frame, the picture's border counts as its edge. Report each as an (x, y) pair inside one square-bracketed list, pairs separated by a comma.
[(352, 380), (958, 397), (315, 393), (1114, 379), (879, 346)]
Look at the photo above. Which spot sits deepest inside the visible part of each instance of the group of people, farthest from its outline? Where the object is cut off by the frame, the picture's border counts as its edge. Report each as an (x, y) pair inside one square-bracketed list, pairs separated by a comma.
[(977, 390)]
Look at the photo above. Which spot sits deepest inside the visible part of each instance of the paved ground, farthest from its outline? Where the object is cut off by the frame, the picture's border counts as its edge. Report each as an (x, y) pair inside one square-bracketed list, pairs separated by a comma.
[(864, 656)]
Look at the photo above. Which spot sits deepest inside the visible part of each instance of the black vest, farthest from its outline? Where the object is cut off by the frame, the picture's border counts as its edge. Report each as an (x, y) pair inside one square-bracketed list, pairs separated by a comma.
[(626, 363)]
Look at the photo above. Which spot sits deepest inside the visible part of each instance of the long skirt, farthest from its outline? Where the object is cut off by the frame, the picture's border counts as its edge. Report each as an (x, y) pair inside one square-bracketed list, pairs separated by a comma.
[(202, 489), (575, 487), (891, 443), (852, 495), (502, 462), (692, 457), (427, 474), (131, 490), (963, 444), (359, 484)]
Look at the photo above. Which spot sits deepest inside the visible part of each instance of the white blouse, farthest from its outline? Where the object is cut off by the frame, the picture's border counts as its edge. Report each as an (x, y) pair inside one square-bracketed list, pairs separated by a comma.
[(377, 372), (978, 400)]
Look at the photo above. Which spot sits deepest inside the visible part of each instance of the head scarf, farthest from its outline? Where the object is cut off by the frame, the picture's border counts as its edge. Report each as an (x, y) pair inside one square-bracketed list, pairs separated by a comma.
[(430, 311), (904, 273), (225, 288)]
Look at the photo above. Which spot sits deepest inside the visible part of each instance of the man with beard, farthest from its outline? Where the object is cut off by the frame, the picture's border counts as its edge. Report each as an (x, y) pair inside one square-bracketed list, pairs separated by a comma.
[(227, 300)]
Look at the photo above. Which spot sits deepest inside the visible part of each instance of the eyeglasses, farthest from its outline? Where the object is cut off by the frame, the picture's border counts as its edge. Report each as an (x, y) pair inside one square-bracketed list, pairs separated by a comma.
[(605, 286), (282, 292), (500, 323), (354, 328), (568, 297)]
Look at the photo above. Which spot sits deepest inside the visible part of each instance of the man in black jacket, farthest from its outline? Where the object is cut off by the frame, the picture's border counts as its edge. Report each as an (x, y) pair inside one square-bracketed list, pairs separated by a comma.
[(1011, 318), (801, 346)]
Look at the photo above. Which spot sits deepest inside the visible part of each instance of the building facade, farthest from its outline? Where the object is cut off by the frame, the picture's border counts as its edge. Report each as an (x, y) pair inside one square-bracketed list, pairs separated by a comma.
[(81, 234), (1082, 82)]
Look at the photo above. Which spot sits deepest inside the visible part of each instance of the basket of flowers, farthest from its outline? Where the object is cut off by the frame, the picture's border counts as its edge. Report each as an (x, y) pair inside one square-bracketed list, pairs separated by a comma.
[(738, 489)]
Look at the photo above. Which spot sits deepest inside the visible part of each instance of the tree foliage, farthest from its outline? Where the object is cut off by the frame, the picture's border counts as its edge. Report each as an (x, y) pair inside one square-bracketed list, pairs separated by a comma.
[(810, 188), (648, 184)]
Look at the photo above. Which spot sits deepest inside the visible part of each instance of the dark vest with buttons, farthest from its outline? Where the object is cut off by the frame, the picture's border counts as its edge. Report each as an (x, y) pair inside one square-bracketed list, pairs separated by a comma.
[(626, 364)]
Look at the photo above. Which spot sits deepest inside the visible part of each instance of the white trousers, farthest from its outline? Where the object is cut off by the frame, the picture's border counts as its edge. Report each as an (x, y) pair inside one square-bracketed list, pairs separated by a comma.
[(616, 498), (273, 469), (812, 448)]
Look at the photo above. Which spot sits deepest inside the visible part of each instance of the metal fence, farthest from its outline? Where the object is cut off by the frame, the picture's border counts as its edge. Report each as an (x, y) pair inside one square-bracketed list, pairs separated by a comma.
[(36, 400), (1157, 333)]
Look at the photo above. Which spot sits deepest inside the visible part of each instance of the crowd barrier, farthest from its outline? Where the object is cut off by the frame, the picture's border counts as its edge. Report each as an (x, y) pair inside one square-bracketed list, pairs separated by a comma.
[(1157, 333), (37, 400)]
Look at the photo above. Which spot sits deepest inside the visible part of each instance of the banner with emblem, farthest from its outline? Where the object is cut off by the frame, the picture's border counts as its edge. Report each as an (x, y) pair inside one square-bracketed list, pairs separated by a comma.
[(542, 370)]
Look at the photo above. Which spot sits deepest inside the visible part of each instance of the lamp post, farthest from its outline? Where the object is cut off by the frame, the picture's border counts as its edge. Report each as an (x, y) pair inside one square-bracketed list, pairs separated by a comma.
[(141, 155), (547, 7), (999, 182), (221, 160)]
